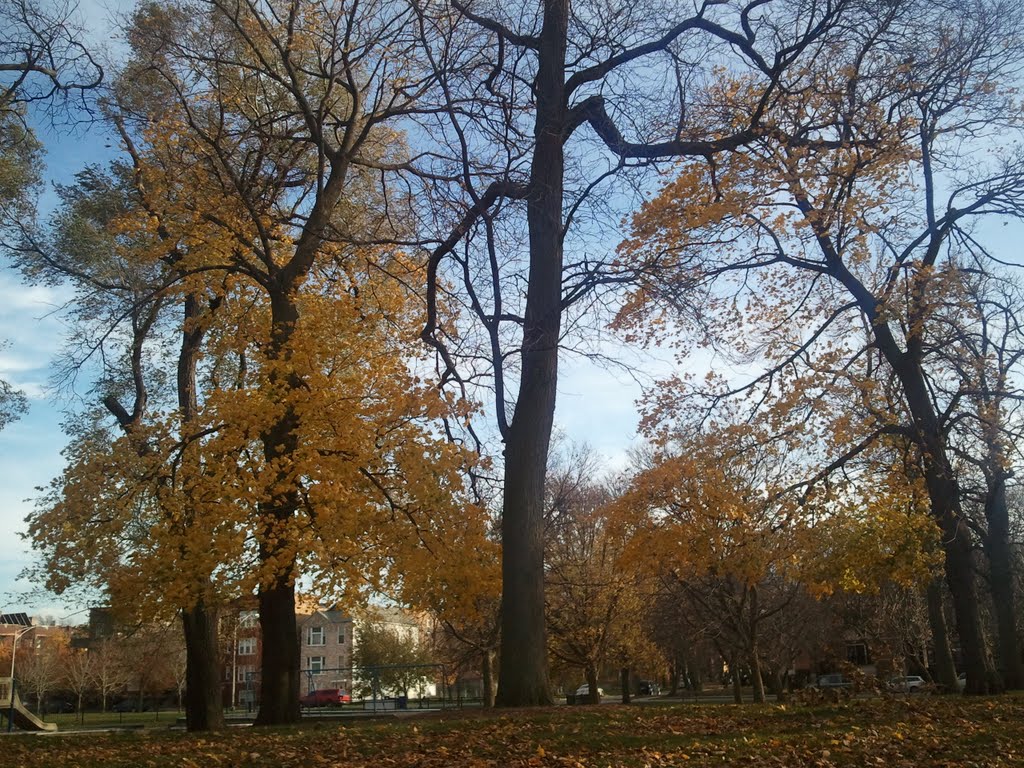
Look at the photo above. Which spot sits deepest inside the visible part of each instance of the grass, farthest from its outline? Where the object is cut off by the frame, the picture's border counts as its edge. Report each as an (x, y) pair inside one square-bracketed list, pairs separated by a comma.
[(888, 733)]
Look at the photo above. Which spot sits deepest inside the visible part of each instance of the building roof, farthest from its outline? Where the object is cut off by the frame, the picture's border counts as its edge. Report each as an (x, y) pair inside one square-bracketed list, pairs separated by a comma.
[(19, 619)]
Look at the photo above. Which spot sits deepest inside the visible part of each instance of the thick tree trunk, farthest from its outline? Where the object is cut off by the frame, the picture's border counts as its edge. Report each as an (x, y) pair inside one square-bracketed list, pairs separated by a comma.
[(697, 664), (279, 633), (961, 581), (1003, 584), (279, 675), (204, 706), (945, 671), (757, 680), (944, 495), (593, 692), (488, 677), (624, 683), (523, 675)]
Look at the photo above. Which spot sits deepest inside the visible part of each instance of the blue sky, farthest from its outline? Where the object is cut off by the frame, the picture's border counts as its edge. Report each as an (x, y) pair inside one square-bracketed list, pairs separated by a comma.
[(596, 405)]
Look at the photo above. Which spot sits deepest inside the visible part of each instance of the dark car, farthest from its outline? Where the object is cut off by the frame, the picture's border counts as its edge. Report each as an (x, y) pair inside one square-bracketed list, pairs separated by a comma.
[(833, 681), (55, 706), (325, 697), (648, 688)]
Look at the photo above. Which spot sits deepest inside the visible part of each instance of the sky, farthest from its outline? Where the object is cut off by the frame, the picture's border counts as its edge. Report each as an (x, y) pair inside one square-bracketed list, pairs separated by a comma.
[(595, 405)]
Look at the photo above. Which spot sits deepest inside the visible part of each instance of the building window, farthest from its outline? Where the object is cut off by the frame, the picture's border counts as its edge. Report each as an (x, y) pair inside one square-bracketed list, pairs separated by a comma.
[(247, 646), (248, 619), (341, 637), (316, 664), (315, 636), (245, 672), (857, 653)]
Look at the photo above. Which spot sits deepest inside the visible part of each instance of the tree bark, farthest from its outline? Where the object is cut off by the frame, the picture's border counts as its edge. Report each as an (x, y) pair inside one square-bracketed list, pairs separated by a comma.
[(945, 671), (204, 707), (593, 695), (279, 632), (487, 673), (944, 495), (673, 677), (696, 663), (523, 677), (1002, 581), (279, 673), (624, 682)]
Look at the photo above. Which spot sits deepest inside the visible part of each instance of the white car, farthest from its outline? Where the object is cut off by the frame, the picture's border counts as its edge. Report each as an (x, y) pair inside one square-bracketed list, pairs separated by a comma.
[(584, 690), (907, 684)]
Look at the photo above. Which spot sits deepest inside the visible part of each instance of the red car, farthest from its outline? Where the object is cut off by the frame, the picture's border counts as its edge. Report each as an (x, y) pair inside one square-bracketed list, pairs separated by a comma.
[(325, 697)]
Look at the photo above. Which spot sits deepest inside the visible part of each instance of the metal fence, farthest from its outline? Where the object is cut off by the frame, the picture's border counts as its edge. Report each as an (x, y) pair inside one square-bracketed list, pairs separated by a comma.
[(384, 687)]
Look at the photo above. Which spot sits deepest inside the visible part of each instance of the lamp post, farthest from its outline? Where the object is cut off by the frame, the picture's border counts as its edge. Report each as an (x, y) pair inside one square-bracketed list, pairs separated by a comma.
[(14, 650)]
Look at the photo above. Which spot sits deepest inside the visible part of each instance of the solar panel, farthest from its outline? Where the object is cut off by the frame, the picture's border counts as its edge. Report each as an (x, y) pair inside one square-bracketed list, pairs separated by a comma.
[(21, 619)]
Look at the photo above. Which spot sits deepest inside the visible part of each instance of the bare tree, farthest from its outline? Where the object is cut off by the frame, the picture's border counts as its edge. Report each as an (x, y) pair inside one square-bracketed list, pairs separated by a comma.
[(80, 675)]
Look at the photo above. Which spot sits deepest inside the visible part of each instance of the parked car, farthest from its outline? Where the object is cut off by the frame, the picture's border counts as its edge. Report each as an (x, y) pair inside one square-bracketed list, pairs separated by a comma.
[(584, 690), (648, 688), (833, 681), (907, 683), (325, 697), (58, 706)]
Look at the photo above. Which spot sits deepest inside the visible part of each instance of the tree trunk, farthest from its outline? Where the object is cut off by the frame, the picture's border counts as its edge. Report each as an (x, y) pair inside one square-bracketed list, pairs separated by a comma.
[(945, 671), (778, 685), (593, 694), (944, 495), (755, 678), (755, 656), (999, 551), (279, 632), (204, 706), (279, 672), (523, 675), (624, 682), (737, 683), (697, 663), (488, 677)]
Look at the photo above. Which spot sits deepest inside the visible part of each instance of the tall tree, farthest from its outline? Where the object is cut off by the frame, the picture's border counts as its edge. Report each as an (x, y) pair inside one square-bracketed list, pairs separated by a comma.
[(863, 227), (287, 112), (125, 297), (539, 76), (979, 348)]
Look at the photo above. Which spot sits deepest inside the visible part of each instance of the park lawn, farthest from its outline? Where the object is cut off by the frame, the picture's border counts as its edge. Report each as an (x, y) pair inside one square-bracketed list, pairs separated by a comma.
[(895, 733)]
